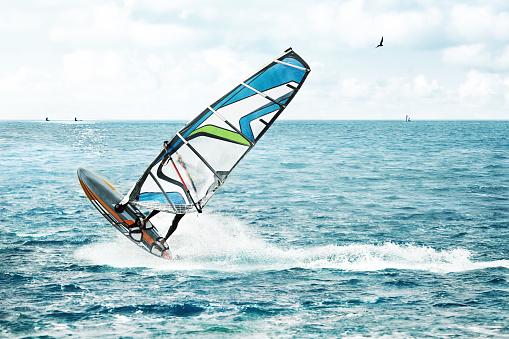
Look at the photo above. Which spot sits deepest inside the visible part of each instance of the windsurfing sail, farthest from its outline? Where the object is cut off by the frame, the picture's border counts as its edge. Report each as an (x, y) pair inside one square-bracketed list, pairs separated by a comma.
[(195, 163)]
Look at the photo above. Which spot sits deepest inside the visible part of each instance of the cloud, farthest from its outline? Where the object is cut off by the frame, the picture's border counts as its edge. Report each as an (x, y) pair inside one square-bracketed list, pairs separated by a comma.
[(154, 63), (111, 26), (358, 26), (395, 87), (506, 95), (478, 23), (94, 26), (467, 55), (14, 80), (477, 56), (83, 65), (18, 21), (160, 35), (481, 88), (423, 87), (354, 88)]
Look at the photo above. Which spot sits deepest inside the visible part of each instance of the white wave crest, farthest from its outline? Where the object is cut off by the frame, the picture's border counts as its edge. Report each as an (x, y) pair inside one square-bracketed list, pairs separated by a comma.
[(216, 242)]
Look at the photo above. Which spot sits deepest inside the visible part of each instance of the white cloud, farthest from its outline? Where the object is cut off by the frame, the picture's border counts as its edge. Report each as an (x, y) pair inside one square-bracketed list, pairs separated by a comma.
[(355, 88), (158, 35), (410, 28), (481, 88), (84, 65), (353, 25), (163, 6), (478, 56), (506, 94), (94, 25), (14, 80), (385, 98), (423, 87), (110, 26), (154, 63), (467, 55), (503, 60), (478, 23), (18, 21)]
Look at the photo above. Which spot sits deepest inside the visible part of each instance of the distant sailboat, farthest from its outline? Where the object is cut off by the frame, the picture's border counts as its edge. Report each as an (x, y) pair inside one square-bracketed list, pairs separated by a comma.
[(381, 43), (407, 119)]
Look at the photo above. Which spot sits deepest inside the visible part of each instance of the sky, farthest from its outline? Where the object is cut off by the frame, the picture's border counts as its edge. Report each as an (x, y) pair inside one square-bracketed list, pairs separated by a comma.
[(169, 60)]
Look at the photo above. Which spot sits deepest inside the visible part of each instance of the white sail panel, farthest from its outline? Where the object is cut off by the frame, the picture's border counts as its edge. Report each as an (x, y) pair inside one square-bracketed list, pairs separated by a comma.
[(220, 155)]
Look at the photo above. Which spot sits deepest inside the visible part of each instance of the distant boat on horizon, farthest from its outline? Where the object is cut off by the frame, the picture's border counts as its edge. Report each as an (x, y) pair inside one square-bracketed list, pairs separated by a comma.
[(407, 119)]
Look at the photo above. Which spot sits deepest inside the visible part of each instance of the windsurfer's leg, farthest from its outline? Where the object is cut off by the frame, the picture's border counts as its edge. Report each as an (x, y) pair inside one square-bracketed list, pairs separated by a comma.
[(174, 225), (154, 212), (141, 222)]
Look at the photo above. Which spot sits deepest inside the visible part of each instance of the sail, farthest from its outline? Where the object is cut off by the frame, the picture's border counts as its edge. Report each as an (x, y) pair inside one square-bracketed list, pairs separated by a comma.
[(198, 159)]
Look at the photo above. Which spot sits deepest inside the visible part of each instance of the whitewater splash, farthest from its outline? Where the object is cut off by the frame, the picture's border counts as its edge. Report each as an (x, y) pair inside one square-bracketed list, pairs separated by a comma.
[(216, 242)]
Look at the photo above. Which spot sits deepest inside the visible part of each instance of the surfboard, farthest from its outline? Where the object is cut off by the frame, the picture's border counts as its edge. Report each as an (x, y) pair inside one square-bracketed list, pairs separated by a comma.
[(104, 197)]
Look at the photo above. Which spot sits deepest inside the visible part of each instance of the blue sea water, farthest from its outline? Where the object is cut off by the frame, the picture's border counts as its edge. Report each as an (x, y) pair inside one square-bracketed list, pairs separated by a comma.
[(345, 229)]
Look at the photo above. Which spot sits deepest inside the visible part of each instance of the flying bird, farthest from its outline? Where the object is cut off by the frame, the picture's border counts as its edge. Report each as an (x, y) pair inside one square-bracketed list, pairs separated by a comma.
[(381, 41)]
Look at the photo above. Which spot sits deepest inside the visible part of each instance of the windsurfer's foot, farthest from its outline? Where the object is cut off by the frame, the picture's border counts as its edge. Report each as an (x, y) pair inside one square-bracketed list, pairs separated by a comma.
[(141, 222), (161, 244)]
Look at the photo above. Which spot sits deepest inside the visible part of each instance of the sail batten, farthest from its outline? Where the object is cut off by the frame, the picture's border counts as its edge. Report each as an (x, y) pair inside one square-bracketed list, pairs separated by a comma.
[(231, 125), (262, 94), (204, 152), (288, 64)]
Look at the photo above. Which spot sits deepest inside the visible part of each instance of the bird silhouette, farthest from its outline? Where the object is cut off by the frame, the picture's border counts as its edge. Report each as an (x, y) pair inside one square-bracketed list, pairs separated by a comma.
[(381, 41)]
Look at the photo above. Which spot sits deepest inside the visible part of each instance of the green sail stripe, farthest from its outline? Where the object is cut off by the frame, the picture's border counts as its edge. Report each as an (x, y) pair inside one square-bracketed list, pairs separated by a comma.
[(222, 133)]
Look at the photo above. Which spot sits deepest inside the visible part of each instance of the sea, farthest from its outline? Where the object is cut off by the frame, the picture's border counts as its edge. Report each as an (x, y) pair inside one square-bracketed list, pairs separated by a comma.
[(326, 229)]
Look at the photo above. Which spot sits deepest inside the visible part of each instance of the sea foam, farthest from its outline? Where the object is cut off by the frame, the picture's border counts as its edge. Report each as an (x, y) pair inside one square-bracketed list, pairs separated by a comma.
[(217, 242)]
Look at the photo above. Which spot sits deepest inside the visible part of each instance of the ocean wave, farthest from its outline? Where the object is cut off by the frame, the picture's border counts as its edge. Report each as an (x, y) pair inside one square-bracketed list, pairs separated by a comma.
[(214, 242)]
